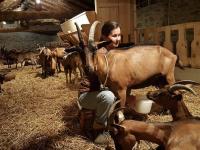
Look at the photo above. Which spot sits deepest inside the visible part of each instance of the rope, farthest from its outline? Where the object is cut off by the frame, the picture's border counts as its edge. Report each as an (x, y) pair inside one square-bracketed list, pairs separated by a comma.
[(102, 86)]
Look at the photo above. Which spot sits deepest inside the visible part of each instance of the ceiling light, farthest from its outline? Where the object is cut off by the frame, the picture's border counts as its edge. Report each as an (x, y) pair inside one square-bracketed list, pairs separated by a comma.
[(38, 1)]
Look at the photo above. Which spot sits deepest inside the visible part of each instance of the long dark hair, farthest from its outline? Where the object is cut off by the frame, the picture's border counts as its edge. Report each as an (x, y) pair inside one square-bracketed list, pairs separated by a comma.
[(108, 27)]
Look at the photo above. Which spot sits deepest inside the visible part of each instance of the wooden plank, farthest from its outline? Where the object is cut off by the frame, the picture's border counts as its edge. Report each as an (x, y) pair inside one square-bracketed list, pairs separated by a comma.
[(114, 14), (91, 15), (124, 13), (168, 44), (160, 29), (182, 45), (107, 3), (135, 13), (195, 46), (60, 33), (73, 37), (136, 36), (133, 22), (155, 36), (105, 14), (145, 36), (69, 38), (174, 27), (13, 29), (115, 10), (140, 31), (27, 15), (37, 29), (102, 16), (1, 25), (189, 25)]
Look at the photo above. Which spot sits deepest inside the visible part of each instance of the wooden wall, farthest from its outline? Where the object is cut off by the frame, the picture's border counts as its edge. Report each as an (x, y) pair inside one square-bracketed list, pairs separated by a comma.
[(121, 11), (189, 58), (115, 10)]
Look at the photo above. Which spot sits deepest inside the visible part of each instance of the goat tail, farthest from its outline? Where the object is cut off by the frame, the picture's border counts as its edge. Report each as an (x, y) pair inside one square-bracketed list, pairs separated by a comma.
[(179, 63)]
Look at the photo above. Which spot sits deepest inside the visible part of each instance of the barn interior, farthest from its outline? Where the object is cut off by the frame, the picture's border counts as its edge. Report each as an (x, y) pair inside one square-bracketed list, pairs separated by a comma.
[(38, 113)]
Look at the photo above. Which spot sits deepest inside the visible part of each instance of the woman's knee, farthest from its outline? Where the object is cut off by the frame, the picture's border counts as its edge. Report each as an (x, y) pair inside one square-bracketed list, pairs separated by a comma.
[(108, 96)]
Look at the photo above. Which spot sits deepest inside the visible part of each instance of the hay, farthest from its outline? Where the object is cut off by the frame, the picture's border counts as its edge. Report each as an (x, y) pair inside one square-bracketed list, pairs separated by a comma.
[(38, 113)]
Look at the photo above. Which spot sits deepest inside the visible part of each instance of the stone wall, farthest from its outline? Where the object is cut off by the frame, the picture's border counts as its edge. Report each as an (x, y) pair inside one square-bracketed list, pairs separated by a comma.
[(168, 12), (25, 41)]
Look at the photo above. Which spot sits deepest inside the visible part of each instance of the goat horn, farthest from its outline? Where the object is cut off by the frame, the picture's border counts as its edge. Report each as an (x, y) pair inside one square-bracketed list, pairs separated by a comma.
[(109, 113), (180, 86), (112, 121), (187, 82), (113, 107), (80, 36), (92, 29)]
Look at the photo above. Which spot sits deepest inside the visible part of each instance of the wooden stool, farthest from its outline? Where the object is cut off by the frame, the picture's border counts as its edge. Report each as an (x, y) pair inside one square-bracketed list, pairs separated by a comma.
[(82, 113)]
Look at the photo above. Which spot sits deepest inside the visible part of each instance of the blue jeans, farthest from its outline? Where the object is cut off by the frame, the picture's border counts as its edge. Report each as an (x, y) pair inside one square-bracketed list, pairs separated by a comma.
[(99, 100)]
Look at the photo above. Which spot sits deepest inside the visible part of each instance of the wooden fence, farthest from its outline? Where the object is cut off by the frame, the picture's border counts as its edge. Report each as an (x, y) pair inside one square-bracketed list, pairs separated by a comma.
[(188, 52)]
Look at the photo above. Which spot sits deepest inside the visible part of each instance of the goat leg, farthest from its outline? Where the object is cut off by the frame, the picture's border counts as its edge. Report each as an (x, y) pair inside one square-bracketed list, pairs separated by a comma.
[(122, 97)]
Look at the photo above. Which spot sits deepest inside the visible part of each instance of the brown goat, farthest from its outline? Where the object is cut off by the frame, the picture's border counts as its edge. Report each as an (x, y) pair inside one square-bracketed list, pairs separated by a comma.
[(176, 135), (70, 62), (59, 53), (47, 61), (6, 56), (21, 57), (171, 98), (5, 77), (124, 68)]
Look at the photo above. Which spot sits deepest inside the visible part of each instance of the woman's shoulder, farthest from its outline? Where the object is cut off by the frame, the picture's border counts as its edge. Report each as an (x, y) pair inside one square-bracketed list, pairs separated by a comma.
[(102, 50)]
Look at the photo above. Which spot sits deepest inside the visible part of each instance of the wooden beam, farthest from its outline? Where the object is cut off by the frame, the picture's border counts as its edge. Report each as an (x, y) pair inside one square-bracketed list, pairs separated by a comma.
[(1, 25), (27, 15), (39, 29), (13, 29), (41, 23), (80, 4)]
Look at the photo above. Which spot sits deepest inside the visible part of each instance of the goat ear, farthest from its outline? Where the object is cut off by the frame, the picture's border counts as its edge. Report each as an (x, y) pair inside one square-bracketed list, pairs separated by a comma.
[(103, 44), (178, 97), (118, 127)]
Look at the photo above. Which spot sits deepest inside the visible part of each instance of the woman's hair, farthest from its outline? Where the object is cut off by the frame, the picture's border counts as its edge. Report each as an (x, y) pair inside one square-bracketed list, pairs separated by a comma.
[(108, 27)]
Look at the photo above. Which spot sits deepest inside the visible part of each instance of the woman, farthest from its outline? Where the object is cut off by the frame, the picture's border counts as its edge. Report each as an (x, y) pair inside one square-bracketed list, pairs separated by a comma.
[(90, 96)]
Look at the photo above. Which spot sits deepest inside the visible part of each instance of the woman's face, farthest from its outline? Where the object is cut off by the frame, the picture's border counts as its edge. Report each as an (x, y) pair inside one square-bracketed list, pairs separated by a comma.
[(115, 37)]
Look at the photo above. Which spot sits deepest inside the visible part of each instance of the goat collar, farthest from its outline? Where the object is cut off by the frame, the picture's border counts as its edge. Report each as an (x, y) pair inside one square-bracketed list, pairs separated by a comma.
[(103, 86)]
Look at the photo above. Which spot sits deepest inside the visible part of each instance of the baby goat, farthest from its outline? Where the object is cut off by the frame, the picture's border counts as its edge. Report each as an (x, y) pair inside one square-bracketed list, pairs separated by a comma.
[(171, 98), (176, 135)]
